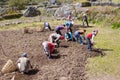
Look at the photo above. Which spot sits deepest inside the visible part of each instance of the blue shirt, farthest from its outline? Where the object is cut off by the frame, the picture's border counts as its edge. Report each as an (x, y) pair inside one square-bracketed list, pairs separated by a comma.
[(68, 35), (77, 33)]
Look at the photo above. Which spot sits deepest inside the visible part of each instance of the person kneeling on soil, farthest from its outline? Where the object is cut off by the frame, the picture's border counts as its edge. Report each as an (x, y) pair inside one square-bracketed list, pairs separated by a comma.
[(46, 26), (89, 37), (48, 48), (24, 64), (55, 38), (68, 36), (58, 28)]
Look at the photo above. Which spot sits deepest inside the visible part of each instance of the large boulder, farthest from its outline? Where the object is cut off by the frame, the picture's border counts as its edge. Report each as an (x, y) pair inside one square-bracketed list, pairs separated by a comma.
[(31, 11), (65, 10)]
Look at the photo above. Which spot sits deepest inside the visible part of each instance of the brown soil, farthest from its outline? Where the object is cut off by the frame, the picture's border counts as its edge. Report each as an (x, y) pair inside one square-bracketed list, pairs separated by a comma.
[(69, 65)]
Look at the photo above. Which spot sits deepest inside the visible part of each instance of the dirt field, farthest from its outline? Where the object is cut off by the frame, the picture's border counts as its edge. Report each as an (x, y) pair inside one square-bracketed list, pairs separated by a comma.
[(69, 65)]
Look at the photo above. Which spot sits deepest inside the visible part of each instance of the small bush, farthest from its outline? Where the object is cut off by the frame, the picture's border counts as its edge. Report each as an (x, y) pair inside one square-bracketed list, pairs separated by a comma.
[(116, 25), (85, 4), (12, 16)]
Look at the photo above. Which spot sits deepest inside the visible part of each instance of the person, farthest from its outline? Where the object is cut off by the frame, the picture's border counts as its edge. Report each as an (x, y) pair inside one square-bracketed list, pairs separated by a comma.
[(46, 26), (77, 35), (68, 25), (90, 39), (58, 28), (82, 33), (54, 38), (68, 36), (48, 48), (24, 64), (69, 18), (85, 19)]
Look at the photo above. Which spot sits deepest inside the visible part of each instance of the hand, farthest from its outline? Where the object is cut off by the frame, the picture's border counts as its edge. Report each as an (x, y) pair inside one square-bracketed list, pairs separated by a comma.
[(55, 40), (31, 67)]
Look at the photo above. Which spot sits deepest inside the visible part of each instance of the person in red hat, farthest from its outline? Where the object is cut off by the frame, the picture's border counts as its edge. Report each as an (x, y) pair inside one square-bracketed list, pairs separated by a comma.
[(48, 48), (54, 38), (90, 39)]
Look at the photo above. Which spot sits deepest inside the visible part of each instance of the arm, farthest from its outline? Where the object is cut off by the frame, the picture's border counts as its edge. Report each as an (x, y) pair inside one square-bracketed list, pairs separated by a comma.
[(58, 37), (30, 64), (92, 40)]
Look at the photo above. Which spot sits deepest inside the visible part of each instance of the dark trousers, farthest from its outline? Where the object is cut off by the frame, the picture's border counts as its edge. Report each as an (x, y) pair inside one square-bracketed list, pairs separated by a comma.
[(58, 32), (85, 20), (89, 44)]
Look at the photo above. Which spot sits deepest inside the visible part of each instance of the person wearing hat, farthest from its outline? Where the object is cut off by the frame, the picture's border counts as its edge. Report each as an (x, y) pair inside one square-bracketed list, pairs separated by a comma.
[(24, 64), (77, 35), (85, 19), (48, 48), (54, 38), (59, 28), (90, 39), (46, 26)]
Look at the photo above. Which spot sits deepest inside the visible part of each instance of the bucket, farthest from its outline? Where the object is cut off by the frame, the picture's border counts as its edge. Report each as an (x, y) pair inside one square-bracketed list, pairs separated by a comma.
[(8, 67)]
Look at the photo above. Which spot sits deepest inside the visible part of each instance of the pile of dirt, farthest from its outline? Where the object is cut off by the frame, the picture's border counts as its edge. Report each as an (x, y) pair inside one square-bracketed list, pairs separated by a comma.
[(69, 65)]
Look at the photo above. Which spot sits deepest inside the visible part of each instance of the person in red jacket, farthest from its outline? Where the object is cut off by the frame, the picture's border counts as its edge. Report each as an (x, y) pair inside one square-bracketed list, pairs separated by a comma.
[(89, 37), (48, 48)]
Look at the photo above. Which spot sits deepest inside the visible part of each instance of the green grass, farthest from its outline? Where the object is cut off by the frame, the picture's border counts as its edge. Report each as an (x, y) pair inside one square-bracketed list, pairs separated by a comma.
[(30, 25), (109, 64)]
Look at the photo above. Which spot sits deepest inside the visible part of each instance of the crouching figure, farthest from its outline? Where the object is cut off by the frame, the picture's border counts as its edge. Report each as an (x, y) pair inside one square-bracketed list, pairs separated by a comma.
[(24, 64), (48, 48)]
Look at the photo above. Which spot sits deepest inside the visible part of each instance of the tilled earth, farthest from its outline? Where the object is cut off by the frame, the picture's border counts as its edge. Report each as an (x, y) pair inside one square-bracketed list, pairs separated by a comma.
[(69, 65)]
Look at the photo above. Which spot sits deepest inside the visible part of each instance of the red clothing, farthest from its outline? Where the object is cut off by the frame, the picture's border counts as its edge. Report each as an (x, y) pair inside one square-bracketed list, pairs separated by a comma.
[(89, 35), (51, 47)]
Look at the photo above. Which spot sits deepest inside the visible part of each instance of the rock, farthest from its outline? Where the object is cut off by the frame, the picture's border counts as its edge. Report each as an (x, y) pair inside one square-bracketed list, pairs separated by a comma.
[(31, 11), (65, 10)]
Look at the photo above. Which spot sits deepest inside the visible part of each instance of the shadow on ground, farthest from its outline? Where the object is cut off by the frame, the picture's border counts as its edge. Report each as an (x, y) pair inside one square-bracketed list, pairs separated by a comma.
[(99, 52)]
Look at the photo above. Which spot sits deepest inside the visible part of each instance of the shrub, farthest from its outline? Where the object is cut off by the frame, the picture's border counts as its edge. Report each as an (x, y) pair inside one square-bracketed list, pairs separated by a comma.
[(85, 4), (116, 25), (12, 16)]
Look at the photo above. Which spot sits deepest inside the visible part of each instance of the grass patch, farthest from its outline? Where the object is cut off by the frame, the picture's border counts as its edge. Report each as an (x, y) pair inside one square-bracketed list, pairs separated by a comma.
[(116, 25), (31, 25), (109, 64)]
